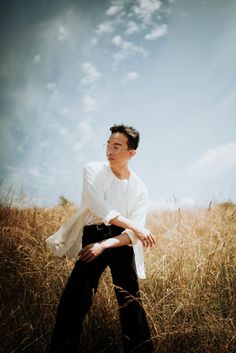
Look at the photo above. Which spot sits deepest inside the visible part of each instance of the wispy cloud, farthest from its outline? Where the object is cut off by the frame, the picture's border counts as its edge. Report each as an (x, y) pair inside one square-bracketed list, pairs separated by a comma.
[(34, 172), (132, 27), (114, 9), (63, 131), (94, 41), (214, 163), (117, 40), (144, 9), (89, 103), (36, 59), (20, 148), (51, 85), (92, 74), (131, 76), (126, 50), (85, 133), (157, 32), (211, 176), (127, 18), (105, 27), (62, 33)]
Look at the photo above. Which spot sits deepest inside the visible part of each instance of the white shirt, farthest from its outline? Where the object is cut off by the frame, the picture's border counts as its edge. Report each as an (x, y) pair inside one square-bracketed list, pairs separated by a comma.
[(116, 196), (100, 204)]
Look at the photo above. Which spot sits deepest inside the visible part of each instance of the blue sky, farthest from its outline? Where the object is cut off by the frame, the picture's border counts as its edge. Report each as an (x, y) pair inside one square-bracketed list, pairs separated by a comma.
[(71, 69)]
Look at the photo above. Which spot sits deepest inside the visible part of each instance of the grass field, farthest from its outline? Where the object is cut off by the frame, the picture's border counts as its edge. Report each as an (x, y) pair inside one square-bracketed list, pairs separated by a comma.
[(189, 294)]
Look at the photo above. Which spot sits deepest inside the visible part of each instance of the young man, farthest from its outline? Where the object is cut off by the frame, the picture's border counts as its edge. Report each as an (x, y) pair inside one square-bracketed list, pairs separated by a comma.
[(108, 230)]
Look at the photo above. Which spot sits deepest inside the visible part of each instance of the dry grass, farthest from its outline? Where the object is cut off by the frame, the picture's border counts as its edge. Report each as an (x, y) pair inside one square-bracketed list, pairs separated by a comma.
[(189, 295)]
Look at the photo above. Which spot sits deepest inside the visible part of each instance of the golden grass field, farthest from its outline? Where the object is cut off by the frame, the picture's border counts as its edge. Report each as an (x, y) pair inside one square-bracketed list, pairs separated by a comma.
[(189, 294)]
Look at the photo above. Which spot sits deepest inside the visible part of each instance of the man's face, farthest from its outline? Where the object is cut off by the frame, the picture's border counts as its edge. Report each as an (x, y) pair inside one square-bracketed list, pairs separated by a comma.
[(117, 149)]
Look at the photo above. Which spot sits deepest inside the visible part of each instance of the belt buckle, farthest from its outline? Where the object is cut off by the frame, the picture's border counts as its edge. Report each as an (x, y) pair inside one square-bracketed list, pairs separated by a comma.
[(99, 226)]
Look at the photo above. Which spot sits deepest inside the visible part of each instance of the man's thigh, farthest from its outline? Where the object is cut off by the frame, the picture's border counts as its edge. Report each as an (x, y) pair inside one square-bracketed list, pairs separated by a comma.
[(122, 265)]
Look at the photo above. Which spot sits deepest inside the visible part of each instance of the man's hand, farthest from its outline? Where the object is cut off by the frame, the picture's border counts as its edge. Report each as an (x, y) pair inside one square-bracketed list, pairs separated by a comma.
[(146, 237), (142, 233), (90, 252)]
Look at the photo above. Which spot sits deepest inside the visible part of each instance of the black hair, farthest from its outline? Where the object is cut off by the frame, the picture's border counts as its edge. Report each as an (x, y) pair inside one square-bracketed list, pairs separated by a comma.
[(129, 131)]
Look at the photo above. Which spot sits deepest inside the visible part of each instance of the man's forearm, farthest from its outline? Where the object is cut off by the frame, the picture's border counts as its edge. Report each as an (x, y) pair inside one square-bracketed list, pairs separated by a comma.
[(91, 251), (122, 222), (140, 232), (114, 242)]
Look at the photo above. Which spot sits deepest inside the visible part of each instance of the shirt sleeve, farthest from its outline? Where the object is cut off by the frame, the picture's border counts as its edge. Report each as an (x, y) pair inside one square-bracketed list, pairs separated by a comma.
[(138, 214), (93, 195)]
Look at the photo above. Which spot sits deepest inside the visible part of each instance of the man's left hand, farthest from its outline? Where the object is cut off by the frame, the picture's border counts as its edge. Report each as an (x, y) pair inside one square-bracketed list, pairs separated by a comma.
[(90, 252)]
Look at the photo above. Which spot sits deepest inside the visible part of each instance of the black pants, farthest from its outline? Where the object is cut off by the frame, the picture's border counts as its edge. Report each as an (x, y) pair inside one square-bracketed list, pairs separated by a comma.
[(77, 296)]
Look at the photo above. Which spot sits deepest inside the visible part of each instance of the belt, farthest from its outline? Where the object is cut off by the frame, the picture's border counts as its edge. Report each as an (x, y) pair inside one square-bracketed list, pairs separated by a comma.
[(98, 227)]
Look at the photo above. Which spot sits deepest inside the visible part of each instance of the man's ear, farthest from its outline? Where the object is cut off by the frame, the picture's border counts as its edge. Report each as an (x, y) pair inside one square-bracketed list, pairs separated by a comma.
[(132, 153)]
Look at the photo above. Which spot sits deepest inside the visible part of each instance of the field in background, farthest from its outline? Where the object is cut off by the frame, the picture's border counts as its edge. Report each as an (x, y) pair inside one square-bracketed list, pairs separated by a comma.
[(189, 294)]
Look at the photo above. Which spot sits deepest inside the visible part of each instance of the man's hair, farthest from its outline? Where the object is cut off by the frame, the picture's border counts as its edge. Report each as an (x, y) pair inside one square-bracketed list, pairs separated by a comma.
[(131, 133)]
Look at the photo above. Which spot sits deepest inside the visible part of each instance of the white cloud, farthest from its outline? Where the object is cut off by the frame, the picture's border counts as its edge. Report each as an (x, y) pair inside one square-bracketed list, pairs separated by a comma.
[(51, 85), (92, 74), (36, 59), (157, 32), (215, 163), (44, 144), (63, 131), (114, 10), (117, 40), (85, 133), (94, 41), (66, 111), (89, 103), (105, 27), (131, 76), (127, 50), (146, 8), (132, 27), (34, 172), (20, 148), (62, 33), (210, 177), (85, 128), (226, 104)]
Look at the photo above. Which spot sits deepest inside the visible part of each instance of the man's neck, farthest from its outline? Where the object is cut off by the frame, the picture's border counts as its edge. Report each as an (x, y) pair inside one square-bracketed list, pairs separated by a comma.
[(122, 172)]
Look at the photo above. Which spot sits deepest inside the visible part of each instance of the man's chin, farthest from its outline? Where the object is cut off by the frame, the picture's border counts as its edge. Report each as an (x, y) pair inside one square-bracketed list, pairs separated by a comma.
[(111, 161)]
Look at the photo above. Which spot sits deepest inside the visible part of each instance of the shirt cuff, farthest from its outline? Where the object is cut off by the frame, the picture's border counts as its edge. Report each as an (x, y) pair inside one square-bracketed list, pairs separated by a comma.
[(131, 235), (111, 215)]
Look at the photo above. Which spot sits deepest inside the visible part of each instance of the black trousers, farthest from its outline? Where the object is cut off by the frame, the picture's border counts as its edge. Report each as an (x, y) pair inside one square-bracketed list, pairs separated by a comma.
[(77, 296)]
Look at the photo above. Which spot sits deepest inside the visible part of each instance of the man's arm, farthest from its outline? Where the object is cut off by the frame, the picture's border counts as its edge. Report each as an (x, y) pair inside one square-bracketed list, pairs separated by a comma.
[(138, 215), (135, 223), (95, 201), (143, 234), (91, 251)]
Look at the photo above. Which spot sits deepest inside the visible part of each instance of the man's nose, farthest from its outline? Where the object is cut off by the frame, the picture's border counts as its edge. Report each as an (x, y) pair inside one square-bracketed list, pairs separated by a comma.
[(110, 151)]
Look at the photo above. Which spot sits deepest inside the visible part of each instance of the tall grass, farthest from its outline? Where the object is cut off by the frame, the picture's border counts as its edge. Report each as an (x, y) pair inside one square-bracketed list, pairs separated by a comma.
[(189, 294)]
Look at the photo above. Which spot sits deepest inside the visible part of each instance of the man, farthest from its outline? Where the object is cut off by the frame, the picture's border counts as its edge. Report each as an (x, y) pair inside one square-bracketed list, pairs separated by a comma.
[(108, 230)]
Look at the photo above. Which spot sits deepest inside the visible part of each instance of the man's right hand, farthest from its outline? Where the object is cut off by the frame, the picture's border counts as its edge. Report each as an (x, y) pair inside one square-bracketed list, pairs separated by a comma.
[(142, 233), (145, 236)]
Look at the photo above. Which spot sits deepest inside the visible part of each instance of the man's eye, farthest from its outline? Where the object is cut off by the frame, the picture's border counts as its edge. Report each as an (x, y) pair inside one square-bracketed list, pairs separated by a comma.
[(116, 148)]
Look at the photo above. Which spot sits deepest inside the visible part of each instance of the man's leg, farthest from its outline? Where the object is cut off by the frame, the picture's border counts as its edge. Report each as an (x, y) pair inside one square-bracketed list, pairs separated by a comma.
[(135, 330), (74, 304)]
